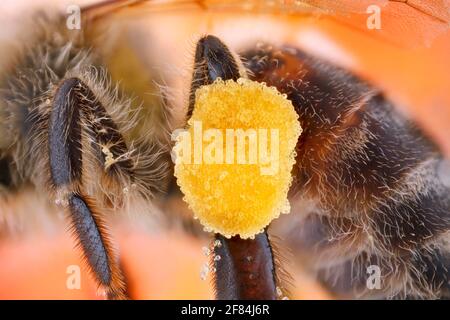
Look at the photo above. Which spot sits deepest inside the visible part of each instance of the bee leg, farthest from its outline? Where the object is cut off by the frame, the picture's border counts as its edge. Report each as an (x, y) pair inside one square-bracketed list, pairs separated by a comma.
[(245, 270), (212, 60), (65, 160), (109, 147), (142, 167), (246, 267)]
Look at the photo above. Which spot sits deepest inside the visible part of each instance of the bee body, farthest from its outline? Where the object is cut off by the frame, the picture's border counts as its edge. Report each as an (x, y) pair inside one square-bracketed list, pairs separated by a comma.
[(367, 190), (371, 175)]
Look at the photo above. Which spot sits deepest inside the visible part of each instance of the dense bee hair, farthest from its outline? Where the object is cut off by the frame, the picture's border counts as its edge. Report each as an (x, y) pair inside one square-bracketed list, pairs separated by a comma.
[(66, 128), (367, 187)]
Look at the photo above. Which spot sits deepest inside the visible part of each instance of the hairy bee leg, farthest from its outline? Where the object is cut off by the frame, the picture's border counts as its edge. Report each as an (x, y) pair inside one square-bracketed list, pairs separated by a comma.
[(109, 141), (245, 270), (65, 159), (94, 240), (141, 166), (212, 60), (250, 279)]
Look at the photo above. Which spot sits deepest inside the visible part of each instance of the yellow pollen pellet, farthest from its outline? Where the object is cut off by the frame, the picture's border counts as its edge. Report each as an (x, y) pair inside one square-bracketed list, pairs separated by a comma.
[(233, 163)]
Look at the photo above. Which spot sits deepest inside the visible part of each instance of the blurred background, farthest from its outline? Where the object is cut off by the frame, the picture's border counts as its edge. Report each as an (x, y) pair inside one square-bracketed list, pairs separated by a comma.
[(149, 48)]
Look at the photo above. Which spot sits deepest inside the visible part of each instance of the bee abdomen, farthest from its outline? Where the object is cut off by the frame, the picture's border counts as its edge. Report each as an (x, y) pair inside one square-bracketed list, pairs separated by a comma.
[(416, 213), (358, 157)]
